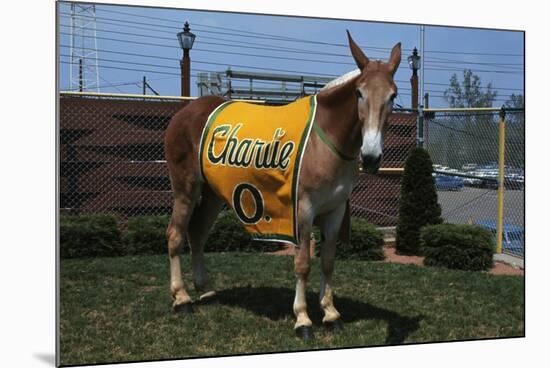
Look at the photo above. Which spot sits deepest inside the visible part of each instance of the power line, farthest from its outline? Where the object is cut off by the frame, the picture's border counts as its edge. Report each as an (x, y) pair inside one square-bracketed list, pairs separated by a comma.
[(293, 50), (443, 64), (289, 39), (238, 65), (131, 83), (219, 51), (447, 85), (241, 44), (271, 37), (194, 61), (473, 70), (278, 49), (442, 60), (246, 33)]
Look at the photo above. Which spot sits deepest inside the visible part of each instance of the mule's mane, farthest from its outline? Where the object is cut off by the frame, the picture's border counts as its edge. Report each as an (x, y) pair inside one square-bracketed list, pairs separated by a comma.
[(341, 80), (338, 88)]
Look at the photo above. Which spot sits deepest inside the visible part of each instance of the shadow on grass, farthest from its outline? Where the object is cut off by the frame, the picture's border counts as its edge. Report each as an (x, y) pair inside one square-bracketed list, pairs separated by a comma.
[(276, 304)]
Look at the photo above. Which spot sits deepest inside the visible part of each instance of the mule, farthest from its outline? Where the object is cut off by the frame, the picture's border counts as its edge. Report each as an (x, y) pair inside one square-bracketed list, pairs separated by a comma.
[(351, 117)]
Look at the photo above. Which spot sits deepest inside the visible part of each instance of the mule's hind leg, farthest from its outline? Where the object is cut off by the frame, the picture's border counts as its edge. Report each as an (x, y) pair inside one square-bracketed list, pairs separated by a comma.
[(181, 213), (330, 226), (202, 219)]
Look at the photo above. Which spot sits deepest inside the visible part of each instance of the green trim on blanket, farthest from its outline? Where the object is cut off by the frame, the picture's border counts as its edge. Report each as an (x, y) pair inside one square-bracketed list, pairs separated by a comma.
[(206, 130), (305, 137), (331, 145)]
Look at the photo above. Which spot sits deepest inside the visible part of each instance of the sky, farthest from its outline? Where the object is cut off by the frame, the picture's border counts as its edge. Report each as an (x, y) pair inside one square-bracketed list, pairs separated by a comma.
[(133, 42)]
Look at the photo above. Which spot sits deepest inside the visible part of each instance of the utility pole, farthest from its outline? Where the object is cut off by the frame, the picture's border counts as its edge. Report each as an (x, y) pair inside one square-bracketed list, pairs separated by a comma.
[(422, 47), (80, 76)]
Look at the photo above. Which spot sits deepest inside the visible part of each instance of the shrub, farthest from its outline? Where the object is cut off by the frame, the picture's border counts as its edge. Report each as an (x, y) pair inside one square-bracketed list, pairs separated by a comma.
[(463, 247), (366, 242), (89, 236), (146, 235), (99, 236), (228, 234), (418, 202)]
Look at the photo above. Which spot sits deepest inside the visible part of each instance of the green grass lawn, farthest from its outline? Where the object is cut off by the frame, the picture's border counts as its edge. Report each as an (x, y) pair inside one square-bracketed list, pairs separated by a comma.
[(119, 309)]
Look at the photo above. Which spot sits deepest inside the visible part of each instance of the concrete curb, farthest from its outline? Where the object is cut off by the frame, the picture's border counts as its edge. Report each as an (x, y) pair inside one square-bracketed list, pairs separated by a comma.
[(508, 259)]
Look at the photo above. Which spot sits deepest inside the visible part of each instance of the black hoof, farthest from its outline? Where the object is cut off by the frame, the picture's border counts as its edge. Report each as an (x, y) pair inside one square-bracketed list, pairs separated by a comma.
[(186, 308), (335, 326), (305, 333)]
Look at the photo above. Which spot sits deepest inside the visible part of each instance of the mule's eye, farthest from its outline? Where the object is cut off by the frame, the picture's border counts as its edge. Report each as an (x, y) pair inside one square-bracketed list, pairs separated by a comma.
[(358, 93)]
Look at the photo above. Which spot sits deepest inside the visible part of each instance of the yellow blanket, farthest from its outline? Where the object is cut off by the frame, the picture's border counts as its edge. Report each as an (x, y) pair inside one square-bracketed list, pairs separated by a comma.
[(250, 155)]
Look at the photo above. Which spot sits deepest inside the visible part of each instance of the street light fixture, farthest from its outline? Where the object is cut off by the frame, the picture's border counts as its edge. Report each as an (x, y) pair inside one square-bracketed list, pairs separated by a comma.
[(414, 64), (414, 60), (186, 40)]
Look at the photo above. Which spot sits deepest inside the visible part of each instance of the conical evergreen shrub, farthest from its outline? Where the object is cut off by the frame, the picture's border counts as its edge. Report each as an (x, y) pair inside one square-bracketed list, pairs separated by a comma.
[(418, 203)]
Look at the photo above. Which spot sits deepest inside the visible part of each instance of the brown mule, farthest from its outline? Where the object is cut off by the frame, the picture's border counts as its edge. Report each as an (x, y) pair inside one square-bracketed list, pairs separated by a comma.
[(351, 116)]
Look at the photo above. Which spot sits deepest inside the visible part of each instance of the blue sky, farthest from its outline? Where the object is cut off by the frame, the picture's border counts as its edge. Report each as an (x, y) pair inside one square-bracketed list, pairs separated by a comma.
[(124, 32)]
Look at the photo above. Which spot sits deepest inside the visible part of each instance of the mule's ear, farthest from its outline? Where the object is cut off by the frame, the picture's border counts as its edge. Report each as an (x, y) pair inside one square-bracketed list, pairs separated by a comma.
[(360, 58), (395, 58)]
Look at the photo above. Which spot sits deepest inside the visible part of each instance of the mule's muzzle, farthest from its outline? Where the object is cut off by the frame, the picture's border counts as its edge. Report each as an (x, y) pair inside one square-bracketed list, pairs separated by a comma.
[(370, 163)]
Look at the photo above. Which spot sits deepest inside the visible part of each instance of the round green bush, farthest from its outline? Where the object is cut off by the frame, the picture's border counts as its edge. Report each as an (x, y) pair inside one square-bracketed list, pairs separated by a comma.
[(462, 247), (89, 236), (146, 235), (366, 242)]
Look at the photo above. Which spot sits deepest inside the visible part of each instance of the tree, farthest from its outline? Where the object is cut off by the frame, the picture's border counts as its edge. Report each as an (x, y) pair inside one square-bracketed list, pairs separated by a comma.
[(473, 132), (515, 102), (469, 92), (418, 204)]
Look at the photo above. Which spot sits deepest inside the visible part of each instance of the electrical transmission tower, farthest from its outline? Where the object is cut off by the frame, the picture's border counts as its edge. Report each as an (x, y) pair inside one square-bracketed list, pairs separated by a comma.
[(84, 68)]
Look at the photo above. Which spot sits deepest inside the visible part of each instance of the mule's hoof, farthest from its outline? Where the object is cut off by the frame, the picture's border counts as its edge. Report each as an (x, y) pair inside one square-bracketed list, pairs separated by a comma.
[(186, 308), (305, 333), (335, 326), (207, 297)]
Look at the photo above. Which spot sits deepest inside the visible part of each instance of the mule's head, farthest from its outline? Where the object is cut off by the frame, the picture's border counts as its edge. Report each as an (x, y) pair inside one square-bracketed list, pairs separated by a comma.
[(375, 90)]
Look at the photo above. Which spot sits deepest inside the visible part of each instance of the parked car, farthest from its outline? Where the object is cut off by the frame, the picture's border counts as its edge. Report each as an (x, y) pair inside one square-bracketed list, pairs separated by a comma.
[(513, 237), (448, 182)]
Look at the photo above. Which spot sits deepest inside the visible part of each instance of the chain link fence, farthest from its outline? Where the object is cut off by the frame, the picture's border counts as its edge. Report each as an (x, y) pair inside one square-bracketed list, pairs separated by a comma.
[(376, 197), (464, 147), (112, 155), (112, 159)]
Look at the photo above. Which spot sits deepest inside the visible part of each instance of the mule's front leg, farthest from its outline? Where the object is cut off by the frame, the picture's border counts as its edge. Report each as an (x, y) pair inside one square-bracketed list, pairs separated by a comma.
[(302, 256)]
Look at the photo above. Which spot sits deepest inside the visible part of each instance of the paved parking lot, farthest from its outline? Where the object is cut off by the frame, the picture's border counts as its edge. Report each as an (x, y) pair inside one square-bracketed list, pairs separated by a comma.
[(481, 204)]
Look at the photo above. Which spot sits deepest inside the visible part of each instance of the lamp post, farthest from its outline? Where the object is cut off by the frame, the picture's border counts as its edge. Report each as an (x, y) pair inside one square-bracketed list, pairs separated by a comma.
[(186, 40), (414, 64)]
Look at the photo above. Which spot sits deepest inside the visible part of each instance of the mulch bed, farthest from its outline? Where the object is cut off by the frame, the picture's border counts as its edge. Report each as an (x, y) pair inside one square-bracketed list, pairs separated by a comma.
[(391, 257)]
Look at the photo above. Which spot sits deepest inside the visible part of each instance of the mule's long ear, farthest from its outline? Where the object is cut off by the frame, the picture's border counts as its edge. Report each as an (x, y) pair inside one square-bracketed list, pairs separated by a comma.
[(395, 58), (360, 58)]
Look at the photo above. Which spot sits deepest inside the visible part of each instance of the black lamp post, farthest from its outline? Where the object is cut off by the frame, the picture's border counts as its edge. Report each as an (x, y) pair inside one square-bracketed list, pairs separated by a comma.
[(414, 64), (186, 40)]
